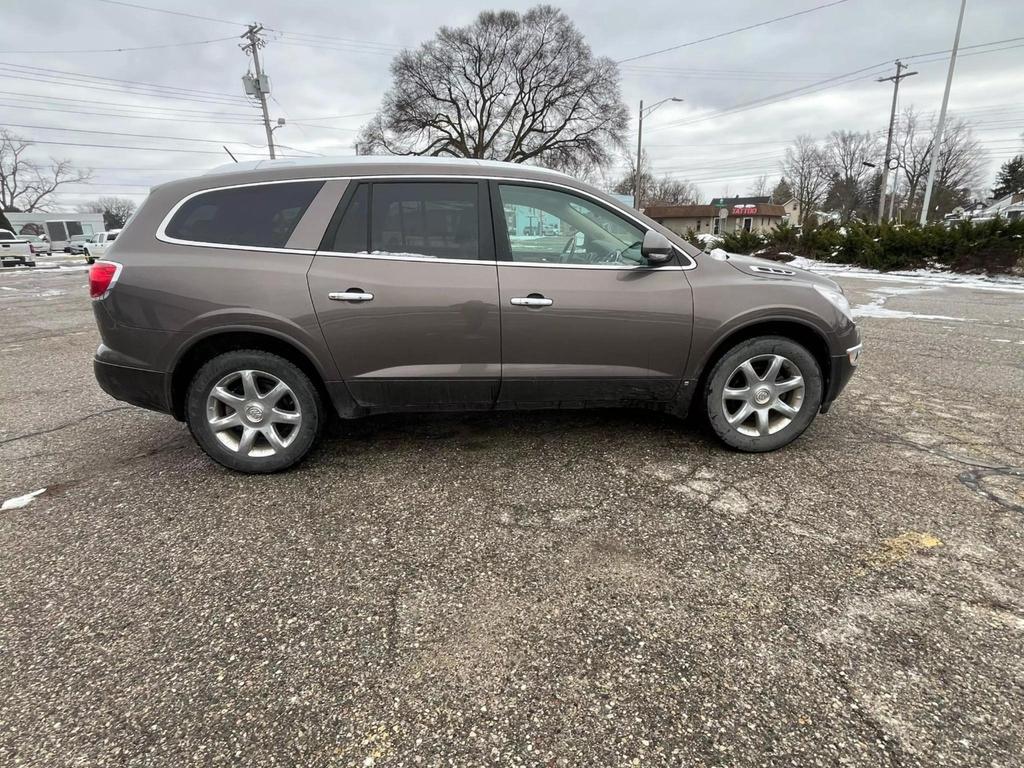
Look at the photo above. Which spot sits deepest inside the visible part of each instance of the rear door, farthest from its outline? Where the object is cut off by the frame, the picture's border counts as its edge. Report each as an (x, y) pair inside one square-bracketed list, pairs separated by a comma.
[(585, 319), (405, 289)]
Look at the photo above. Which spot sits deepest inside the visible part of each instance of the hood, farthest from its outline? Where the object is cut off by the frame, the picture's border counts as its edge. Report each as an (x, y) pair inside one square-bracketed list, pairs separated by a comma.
[(777, 270)]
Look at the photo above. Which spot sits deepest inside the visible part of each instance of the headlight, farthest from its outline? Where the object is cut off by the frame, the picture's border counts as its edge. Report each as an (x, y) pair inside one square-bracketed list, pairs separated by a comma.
[(836, 299)]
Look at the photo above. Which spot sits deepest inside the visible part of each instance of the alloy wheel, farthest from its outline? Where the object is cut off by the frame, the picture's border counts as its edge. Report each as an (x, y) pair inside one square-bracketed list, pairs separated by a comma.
[(763, 395), (253, 413)]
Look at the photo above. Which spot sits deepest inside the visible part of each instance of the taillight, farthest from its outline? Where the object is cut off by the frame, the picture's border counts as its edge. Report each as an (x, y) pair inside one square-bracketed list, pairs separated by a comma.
[(102, 276)]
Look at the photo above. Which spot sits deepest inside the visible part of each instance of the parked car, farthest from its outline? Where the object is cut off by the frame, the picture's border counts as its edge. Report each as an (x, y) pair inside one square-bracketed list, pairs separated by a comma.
[(97, 245), (252, 301), (39, 245), (15, 251), (76, 244)]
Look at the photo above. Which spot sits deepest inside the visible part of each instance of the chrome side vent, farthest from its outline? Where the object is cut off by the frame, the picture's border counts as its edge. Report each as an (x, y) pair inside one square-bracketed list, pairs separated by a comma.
[(772, 270)]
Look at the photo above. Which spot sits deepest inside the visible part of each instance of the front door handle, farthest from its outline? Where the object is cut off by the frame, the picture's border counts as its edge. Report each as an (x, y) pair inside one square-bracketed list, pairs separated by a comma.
[(352, 294), (533, 300)]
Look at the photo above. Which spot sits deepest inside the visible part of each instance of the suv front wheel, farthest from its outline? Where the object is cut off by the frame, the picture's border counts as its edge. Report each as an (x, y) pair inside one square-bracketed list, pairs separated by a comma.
[(254, 411), (763, 393)]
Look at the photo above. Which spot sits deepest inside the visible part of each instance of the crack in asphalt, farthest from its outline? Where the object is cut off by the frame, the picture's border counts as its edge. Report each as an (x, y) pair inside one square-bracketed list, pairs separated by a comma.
[(65, 425), (975, 480)]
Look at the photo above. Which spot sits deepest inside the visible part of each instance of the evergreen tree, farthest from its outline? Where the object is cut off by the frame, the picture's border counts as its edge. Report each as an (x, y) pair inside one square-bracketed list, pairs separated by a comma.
[(1010, 178)]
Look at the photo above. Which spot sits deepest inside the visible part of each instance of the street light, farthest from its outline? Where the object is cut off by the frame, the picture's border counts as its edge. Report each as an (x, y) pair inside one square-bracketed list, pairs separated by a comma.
[(639, 144)]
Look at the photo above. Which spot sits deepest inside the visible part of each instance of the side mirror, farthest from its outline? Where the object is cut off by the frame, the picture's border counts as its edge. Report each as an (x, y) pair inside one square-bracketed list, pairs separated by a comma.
[(656, 248)]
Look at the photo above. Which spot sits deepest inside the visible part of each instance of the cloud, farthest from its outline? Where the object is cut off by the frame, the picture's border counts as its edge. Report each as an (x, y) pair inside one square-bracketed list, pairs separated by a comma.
[(331, 59)]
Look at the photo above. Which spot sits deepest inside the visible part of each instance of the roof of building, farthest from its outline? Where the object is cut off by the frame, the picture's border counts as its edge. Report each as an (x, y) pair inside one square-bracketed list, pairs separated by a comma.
[(751, 200), (680, 211), (700, 211)]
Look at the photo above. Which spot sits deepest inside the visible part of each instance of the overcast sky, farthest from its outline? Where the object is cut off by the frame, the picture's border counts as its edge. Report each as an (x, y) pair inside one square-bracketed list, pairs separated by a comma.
[(329, 65)]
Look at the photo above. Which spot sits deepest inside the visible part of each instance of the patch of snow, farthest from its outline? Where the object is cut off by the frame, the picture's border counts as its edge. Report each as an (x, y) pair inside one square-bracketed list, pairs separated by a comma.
[(20, 501), (875, 307), (938, 278)]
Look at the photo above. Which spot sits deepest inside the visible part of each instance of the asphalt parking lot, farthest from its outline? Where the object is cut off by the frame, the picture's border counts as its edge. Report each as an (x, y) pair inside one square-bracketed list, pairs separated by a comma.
[(601, 588)]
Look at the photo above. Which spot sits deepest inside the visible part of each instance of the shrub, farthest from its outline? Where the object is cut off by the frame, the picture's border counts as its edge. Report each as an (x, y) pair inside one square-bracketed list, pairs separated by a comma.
[(992, 246), (820, 241), (692, 238), (743, 242)]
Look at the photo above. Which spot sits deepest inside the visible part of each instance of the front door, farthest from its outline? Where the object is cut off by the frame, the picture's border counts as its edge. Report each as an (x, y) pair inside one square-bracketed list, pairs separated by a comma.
[(405, 289), (584, 318)]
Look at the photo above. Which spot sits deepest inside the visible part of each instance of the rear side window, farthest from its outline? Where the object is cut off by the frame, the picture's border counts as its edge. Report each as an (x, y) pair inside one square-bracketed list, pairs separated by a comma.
[(262, 216), (439, 220)]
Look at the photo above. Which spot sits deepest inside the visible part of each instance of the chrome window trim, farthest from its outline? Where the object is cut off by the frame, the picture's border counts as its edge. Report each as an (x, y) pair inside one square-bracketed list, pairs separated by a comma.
[(162, 235)]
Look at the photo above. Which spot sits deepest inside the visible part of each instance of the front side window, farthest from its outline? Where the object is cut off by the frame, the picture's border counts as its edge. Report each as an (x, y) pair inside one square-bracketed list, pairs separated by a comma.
[(548, 226), (263, 216), (429, 220)]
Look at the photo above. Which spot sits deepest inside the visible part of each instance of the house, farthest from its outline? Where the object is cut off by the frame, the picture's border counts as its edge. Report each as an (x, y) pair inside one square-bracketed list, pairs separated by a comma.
[(718, 219), (792, 208)]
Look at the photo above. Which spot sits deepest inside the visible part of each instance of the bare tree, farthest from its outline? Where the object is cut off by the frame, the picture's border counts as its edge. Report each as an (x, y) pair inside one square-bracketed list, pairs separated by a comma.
[(805, 170), (850, 180), (665, 190), (27, 185), (960, 161), (116, 210), (761, 187), (515, 87)]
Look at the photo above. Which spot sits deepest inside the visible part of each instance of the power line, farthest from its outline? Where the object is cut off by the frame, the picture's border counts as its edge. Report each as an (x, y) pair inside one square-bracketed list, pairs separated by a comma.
[(154, 9), (136, 83), (112, 88), (732, 31), (815, 87), (172, 13), (117, 133), (18, 96), (145, 149), (125, 50), (137, 116), (331, 38), (332, 48)]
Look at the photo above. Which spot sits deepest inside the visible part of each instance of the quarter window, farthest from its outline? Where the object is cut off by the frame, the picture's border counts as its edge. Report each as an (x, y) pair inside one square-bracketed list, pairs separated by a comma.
[(351, 236), (548, 226), (262, 216), (429, 220)]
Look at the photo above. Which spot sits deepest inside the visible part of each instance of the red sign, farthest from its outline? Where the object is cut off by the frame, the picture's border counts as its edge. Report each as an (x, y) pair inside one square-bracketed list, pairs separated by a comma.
[(744, 210)]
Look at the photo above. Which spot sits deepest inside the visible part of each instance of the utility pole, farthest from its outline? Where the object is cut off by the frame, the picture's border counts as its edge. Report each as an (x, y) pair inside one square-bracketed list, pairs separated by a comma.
[(261, 84), (937, 143), (900, 66), (639, 145), (639, 142)]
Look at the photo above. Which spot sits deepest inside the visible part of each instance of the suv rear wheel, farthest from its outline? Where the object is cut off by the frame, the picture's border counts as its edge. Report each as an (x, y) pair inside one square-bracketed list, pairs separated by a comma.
[(254, 411), (763, 393)]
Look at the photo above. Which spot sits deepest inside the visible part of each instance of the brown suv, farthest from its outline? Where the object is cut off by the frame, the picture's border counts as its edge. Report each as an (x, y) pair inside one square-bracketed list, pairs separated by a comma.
[(249, 301)]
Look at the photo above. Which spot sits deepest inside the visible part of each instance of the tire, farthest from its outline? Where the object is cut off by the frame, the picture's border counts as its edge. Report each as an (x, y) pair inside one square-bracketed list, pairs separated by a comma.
[(283, 429), (771, 408)]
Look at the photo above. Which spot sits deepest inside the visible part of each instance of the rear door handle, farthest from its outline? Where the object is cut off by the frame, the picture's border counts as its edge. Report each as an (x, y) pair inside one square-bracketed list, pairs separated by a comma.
[(353, 294), (533, 300)]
